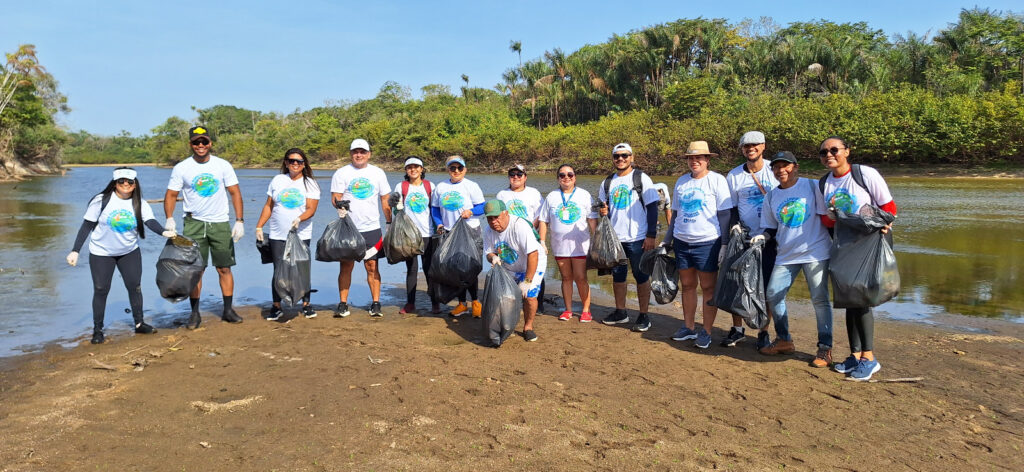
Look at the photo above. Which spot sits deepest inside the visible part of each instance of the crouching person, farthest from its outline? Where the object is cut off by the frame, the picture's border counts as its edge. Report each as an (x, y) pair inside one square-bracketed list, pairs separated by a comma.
[(511, 241)]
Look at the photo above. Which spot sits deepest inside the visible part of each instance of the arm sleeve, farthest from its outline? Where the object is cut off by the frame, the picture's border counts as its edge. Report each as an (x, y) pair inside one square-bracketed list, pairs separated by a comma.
[(154, 226), (723, 222), (83, 232), (890, 207), (435, 216), (734, 216), (652, 218), (771, 232), (671, 227), (478, 209), (825, 220), (230, 178)]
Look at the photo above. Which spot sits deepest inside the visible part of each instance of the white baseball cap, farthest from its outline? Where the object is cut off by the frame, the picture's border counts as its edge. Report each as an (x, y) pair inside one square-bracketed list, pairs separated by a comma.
[(752, 137), (622, 147), (124, 174), (359, 144), (413, 160)]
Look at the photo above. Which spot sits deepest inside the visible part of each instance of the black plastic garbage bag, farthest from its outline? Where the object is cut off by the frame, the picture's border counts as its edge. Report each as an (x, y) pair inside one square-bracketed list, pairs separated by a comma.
[(341, 241), (664, 276), (403, 240), (862, 264), (266, 255), (458, 259), (605, 249), (740, 286), (738, 242), (291, 275), (503, 301), (179, 268)]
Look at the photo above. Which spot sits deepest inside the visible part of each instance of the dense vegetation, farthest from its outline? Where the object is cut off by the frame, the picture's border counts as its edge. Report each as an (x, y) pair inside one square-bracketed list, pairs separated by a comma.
[(29, 139), (955, 97)]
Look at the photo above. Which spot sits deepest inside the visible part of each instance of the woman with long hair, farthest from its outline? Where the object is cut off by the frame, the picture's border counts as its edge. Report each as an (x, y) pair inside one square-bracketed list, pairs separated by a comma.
[(292, 197), (113, 224), (569, 215), (414, 193)]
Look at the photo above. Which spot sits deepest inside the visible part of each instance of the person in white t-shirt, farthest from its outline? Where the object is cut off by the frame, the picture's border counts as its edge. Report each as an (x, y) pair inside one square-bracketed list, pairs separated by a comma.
[(523, 201), (700, 213), (511, 242), (113, 224), (205, 181), (792, 217), (414, 193), (366, 188), (292, 198), (568, 212), (454, 199)]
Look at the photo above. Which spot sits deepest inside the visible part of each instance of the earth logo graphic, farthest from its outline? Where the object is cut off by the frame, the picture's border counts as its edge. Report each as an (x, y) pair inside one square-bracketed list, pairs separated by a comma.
[(622, 196), (361, 188), (842, 199), (416, 202), (291, 198), (691, 202), (506, 253), (205, 185), (121, 221), (516, 207), (793, 212), (569, 213), (452, 201)]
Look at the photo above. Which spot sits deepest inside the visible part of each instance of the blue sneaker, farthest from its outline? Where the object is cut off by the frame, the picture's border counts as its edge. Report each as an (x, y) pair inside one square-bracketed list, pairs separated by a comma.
[(684, 334), (847, 366), (703, 339), (865, 369)]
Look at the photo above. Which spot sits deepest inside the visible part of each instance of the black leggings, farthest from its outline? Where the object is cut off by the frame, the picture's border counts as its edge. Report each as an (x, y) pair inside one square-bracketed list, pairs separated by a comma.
[(102, 268), (277, 249), (412, 268), (860, 327)]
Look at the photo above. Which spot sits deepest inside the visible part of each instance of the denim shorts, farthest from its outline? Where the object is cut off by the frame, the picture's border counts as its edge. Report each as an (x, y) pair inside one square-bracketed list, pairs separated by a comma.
[(633, 250), (700, 256)]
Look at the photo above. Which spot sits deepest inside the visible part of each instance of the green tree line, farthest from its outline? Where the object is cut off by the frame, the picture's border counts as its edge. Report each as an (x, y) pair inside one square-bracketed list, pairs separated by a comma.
[(30, 140)]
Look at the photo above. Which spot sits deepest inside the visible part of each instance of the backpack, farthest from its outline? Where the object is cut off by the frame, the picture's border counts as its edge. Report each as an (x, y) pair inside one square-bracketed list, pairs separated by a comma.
[(638, 186), (405, 188), (858, 177)]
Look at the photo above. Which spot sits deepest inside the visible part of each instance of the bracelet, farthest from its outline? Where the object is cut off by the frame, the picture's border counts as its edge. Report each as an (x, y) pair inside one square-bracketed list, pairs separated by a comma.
[(239, 220)]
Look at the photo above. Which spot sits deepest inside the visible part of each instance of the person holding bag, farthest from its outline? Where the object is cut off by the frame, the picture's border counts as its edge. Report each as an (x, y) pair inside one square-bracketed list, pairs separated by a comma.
[(414, 192)]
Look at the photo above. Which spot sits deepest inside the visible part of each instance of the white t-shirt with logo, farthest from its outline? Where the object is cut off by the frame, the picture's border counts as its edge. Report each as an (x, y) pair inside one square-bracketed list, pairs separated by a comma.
[(417, 205), (524, 203), (629, 217), (363, 189), (289, 202), (514, 245), (697, 203), (203, 187), (795, 211), (567, 216), (746, 195), (116, 232), (843, 193), (452, 199)]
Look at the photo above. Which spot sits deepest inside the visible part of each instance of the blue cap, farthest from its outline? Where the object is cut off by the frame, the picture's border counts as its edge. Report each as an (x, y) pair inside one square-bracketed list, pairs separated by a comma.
[(458, 159)]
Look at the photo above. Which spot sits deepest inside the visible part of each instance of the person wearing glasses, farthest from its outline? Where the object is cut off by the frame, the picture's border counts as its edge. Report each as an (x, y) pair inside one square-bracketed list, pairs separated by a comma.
[(844, 190), (568, 212), (113, 224), (292, 198), (454, 199), (366, 188), (415, 190), (629, 199), (522, 201), (205, 182)]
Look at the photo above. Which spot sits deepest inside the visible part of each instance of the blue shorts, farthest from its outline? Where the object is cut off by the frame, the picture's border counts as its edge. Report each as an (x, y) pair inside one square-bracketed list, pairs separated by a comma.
[(633, 250), (700, 256)]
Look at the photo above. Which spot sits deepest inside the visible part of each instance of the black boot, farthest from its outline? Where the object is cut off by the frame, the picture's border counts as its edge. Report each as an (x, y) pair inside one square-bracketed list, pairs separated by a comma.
[(193, 321), (230, 316), (143, 328), (97, 336)]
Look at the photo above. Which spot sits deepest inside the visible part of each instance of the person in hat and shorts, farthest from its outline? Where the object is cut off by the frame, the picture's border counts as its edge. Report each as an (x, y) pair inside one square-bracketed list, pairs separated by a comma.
[(523, 201), (454, 199), (510, 241), (205, 182)]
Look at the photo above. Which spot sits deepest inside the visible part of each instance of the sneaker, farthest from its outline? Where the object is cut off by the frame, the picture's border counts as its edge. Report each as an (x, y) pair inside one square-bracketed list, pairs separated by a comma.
[(230, 316), (529, 336), (617, 317), (341, 310), (847, 366), (703, 339), (684, 334), (643, 323), (143, 328), (779, 346), (375, 310), (97, 337), (193, 321), (408, 308), (865, 369), (308, 312), (763, 340), (275, 313), (735, 336), (823, 358), (586, 317), (478, 309), (565, 316), (458, 310)]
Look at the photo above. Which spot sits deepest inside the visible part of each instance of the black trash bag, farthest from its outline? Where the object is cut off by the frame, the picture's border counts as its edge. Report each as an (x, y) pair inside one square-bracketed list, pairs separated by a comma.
[(605, 249), (266, 255), (458, 259), (724, 287), (291, 275), (179, 268), (502, 304), (740, 286), (341, 241), (403, 240), (664, 276), (862, 264)]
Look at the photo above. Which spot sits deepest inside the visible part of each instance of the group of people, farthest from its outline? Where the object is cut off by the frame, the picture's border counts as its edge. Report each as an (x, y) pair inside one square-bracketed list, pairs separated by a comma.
[(791, 216)]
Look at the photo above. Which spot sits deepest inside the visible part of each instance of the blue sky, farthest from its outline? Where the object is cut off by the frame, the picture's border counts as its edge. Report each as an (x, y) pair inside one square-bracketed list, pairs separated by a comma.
[(129, 65)]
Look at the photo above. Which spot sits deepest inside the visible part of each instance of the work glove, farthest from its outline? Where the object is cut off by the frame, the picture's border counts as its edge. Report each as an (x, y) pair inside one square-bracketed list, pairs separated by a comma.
[(295, 224), (736, 229), (259, 235), (832, 213), (758, 239), (525, 287), (170, 226), (72, 258), (169, 233), (395, 200), (342, 212), (238, 231)]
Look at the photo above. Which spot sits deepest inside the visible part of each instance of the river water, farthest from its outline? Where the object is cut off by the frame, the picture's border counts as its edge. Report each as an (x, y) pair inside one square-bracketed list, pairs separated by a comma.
[(959, 243)]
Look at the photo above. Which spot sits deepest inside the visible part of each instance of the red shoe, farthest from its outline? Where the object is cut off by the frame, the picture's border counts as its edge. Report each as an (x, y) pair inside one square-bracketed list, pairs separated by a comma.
[(565, 316), (408, 308), (586, 317)]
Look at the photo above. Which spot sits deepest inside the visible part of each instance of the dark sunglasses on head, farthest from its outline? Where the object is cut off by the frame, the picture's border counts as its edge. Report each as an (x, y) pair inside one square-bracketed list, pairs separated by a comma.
[(566, 175), (123, 181), (294, 161), (620, 156), (516, 173), (833, 150), (455, 168), (201, 142)]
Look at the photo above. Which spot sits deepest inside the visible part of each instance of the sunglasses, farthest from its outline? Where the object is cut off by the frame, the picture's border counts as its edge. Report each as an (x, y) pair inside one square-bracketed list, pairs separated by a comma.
[(516, 174), (832, 150), (566, 175), (201, 142), (618, 157), (123, 181), (455, 168), (292, 162)]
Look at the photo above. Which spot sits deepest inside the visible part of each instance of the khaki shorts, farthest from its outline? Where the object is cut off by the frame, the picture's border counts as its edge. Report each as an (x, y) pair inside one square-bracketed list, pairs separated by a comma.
[(214, 241)]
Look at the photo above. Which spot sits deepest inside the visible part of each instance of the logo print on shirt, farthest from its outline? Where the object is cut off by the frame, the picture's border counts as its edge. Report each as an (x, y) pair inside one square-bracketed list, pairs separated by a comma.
[(755, 198), (361, 188), (622, 196), (416, 202), (516, 207), (691, 202), (793, 212), (121, 221), (569, 213), (506, 253), (205, 185), (291, 198), (452, 201), (842, 199)]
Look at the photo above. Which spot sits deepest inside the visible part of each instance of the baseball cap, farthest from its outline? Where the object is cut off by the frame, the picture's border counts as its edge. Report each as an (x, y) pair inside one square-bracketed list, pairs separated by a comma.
[(783, 156), (197, 132), (458, 159), (413, 160), (752, 137), (359, 144), (518, 167), (124, 174), (494, 207), (622, 147)]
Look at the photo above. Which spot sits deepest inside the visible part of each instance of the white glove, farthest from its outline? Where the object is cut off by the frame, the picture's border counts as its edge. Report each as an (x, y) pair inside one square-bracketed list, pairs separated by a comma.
[(259, 235), (295, 224), (496, 261), (342, 212), (237, 231), (757, 239), (170, 226), (525, 287), (169, 233), (832, 213), (72, 258), (736, 228)]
